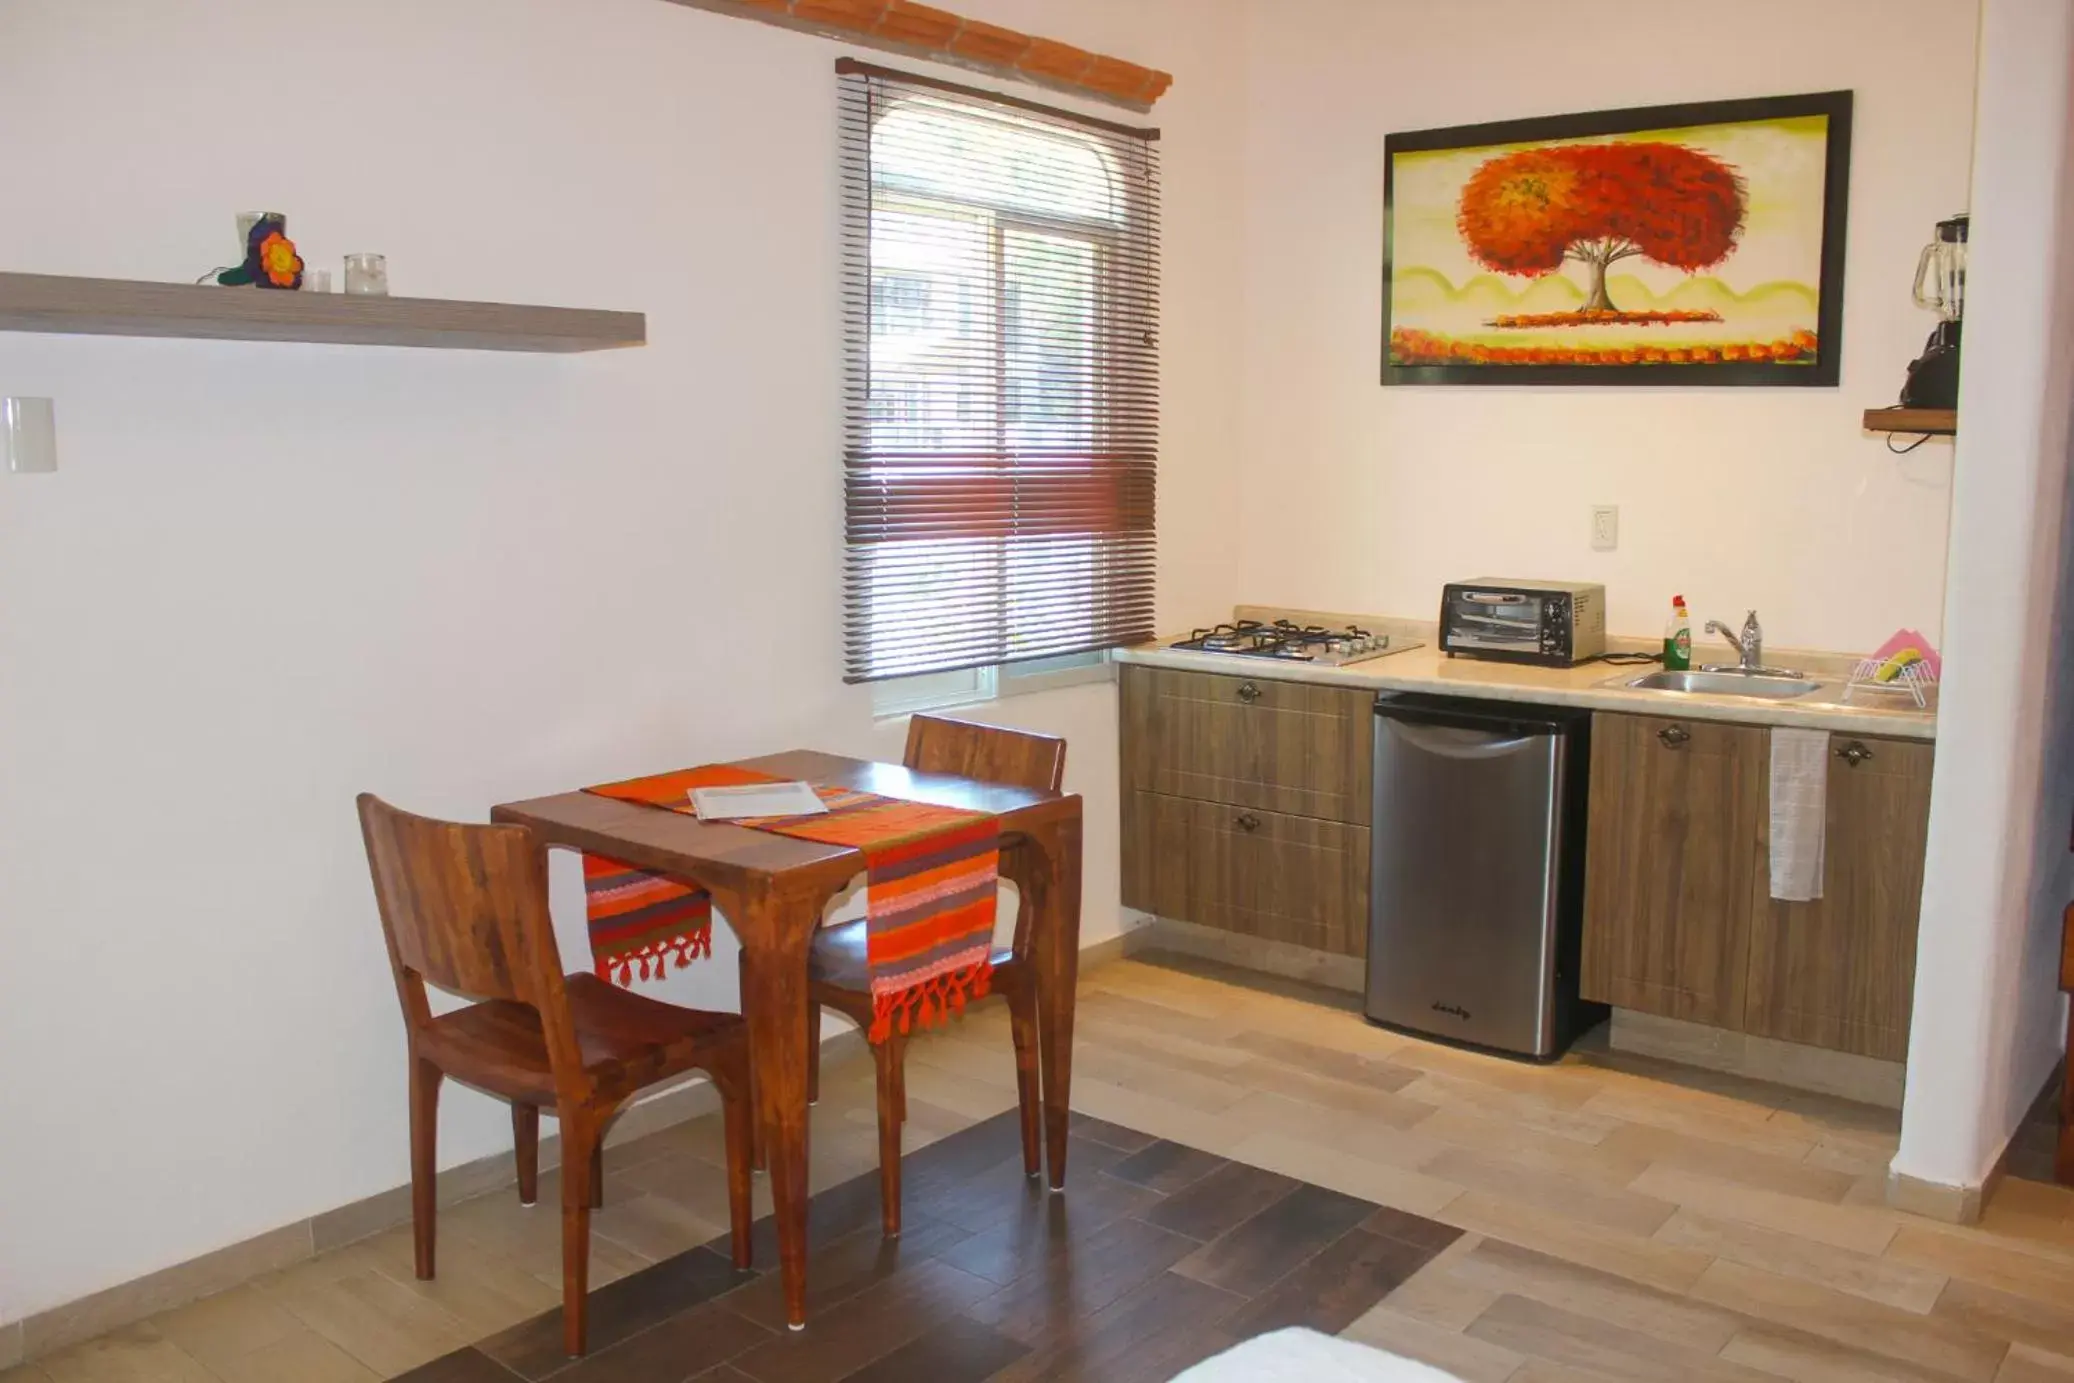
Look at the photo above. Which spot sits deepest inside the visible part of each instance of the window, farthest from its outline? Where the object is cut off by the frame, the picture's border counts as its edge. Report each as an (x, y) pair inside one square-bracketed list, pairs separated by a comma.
[(1001, 417)]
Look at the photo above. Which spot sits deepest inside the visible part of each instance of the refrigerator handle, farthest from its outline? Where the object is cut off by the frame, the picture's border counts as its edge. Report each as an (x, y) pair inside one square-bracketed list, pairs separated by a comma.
[(1460, 742)]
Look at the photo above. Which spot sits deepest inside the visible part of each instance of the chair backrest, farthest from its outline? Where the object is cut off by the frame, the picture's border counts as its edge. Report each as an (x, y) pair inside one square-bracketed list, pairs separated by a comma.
[(464, 908), (990, 753)]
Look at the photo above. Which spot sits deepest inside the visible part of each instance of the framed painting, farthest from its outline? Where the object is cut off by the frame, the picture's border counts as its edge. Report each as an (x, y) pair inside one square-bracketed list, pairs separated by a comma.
[(1694, 244)]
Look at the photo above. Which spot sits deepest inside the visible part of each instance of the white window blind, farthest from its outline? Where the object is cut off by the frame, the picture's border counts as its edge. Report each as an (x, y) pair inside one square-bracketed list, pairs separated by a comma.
[(1001, 282)]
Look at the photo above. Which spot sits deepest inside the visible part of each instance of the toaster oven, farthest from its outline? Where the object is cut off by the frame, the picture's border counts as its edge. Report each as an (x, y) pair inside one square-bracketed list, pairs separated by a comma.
[(1552, 623)]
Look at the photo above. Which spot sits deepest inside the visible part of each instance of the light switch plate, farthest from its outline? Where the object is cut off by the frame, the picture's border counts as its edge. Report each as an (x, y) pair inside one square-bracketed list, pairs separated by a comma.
[(1605, 527)]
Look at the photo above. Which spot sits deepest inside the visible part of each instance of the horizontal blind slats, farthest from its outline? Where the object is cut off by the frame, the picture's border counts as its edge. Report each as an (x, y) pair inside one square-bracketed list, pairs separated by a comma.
[(1001, 381)]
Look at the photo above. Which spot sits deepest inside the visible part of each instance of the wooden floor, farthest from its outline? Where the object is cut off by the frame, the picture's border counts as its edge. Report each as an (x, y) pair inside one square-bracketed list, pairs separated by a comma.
[(1159, 1256), (1620, 1219)]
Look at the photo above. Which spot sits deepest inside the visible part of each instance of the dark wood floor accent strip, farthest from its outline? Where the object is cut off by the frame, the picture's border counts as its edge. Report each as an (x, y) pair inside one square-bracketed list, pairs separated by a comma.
[(703, 1337), (960, 1350), (868, 1326), (1333, 1289), (1147, 1336), (846, 1267), (1166, 1167), (1221, 1201), (1406, 1227), (1114, 1135), (1157, 1256), (618, 1311), (469, 1365), (1091, 1273), (1044, 1225), (1260, 1252)]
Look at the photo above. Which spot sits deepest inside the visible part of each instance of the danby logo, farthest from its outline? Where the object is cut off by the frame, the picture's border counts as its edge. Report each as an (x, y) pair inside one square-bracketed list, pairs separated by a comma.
[(1454, 1010)]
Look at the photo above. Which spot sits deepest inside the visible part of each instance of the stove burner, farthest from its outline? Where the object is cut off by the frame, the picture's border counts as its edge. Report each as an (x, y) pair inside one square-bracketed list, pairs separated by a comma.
[(1285, 640)]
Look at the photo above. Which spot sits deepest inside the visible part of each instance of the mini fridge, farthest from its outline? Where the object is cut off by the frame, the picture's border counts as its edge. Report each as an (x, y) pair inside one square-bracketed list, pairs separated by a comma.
[(1476, 888)]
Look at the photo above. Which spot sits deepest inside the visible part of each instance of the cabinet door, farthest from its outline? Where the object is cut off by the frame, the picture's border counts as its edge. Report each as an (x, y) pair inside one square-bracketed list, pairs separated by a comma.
[(1676, 806), (1286, 747), (1257, 873), (1840, 972)]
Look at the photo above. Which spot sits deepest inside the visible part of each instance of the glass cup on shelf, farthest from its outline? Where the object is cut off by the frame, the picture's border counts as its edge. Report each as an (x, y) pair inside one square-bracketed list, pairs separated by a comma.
[(367, 275), (316, 281)]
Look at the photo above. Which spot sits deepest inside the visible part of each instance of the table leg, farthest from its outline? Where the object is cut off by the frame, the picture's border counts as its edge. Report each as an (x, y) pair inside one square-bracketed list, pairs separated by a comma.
[(774, 996), (1056, 950)]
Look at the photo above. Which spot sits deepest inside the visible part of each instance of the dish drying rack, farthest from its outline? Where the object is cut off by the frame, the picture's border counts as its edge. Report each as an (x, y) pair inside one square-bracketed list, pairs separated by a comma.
[(1914, 681)]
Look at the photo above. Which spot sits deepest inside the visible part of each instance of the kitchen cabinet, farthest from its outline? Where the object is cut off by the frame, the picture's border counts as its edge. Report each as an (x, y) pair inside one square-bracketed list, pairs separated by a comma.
[(1246, 805), (1670, 859), (1679, 918), (1840, 972)]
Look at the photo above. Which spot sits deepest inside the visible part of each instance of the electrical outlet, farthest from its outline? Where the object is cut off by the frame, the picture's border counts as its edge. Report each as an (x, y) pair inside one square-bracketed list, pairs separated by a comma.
[(1605, 527)]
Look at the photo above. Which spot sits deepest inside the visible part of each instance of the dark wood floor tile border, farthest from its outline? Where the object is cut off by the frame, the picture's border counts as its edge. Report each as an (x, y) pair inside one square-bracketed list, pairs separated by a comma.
[(1257, 1254), (1156, 1257), (1166, 1167), (618, 1311), (469, 1365)]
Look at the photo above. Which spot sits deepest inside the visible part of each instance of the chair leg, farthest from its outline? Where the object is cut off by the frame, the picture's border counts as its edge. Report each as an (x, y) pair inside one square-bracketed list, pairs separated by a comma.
[(579, 1148), (889, 1058), (598, 1172), (738, 1116), (525, 1148), (813, 1053), (1022, 1025), (425, 1079)]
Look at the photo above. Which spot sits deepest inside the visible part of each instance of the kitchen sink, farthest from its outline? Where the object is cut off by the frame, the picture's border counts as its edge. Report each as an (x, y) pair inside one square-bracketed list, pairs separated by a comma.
[(1760, 685)]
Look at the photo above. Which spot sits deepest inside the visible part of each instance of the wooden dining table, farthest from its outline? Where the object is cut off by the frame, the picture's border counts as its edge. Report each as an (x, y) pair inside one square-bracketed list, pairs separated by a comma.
[(773, 890)]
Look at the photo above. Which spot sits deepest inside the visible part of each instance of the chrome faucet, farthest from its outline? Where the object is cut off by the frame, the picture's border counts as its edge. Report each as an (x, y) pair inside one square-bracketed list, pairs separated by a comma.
[(1749, 647)]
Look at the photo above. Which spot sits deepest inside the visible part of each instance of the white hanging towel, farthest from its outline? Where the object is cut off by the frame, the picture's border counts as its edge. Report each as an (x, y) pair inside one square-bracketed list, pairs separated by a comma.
[(1800, 812)]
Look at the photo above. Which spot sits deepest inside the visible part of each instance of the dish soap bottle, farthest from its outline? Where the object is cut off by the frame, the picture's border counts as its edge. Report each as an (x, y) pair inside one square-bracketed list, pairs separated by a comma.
[(1678, 637)]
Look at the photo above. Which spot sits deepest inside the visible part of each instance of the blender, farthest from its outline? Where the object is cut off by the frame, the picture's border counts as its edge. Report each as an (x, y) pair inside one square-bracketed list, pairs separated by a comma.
[(1933, 376)]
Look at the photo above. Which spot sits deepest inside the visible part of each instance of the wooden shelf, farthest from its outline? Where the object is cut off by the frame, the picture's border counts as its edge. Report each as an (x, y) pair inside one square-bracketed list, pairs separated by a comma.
[(1935, 422), (125, 307)]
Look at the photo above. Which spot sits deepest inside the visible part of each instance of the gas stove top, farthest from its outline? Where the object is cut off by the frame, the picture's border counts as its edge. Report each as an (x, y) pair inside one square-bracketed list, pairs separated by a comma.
[(1285, 642)]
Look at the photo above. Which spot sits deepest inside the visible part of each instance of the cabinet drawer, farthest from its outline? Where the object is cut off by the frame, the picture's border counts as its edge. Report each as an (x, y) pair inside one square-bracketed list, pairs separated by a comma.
[(1259, 873), (1284, 747)]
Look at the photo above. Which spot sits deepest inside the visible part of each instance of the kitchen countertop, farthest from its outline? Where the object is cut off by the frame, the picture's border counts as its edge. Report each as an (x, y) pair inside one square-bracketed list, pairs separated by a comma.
[(1430, 671)]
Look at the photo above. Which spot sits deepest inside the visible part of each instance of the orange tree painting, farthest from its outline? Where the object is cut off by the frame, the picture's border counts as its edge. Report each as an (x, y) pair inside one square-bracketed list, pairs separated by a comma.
[(1605, 248)]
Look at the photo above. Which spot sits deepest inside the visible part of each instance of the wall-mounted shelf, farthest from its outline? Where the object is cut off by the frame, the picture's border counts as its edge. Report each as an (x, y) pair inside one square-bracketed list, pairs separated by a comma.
[(1931, 422), (126, 307)]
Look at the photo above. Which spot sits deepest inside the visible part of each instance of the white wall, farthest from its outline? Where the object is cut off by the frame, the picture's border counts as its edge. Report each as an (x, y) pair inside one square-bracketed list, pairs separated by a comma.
[(269, 576), (1988, 1024), (1735, 497)]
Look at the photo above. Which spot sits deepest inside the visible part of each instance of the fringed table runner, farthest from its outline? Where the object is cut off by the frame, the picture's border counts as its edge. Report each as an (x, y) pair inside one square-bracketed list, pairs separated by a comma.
[(930, 875)]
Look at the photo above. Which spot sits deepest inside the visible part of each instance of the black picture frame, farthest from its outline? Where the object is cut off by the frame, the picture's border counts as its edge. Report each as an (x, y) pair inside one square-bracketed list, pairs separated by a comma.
[(1822, 373)]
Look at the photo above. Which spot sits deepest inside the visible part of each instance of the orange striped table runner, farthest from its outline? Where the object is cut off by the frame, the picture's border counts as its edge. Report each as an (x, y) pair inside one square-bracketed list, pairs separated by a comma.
[(930, 876)]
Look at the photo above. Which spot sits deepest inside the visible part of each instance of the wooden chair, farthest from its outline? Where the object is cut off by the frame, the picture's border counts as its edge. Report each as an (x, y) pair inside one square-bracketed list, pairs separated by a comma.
[(840, 978), (2063, 1162), (464, 908)]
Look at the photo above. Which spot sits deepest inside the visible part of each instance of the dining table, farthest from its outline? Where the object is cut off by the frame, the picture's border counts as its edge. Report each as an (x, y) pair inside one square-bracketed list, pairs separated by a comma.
[(773, 891)]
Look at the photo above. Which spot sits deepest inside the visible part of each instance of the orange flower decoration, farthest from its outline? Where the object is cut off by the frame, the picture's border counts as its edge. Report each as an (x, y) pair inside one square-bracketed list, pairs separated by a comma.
[(279, 261)]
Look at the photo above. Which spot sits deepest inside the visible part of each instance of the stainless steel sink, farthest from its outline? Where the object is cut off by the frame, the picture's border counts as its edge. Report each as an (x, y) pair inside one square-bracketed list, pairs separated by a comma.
[(1763, 686)]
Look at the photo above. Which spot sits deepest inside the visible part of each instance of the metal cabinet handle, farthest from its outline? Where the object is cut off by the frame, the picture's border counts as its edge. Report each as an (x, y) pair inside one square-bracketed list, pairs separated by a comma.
[(1674, 736), (1248, 822), (1854, 753), (1248, 692)]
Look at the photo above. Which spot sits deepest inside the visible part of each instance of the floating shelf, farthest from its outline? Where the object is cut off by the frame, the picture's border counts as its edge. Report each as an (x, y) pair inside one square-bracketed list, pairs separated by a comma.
[(1932, 422), (126, 307)]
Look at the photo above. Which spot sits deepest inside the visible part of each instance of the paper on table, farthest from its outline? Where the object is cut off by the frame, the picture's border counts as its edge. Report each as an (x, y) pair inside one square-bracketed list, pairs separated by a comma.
[(756, 799)]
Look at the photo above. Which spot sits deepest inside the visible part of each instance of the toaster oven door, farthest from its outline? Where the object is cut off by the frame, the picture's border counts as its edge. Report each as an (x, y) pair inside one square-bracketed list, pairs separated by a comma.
[(1493, 621)]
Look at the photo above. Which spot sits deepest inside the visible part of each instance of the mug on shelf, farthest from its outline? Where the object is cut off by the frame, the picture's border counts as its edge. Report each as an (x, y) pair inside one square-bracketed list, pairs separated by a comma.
[(367, 275)]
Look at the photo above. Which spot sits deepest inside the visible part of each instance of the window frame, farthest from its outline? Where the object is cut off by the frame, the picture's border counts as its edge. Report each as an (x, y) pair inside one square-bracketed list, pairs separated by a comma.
[(903, 695)]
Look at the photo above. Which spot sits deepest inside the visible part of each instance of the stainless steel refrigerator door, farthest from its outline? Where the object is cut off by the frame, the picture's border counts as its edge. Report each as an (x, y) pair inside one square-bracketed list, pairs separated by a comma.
[(1463, 895)]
